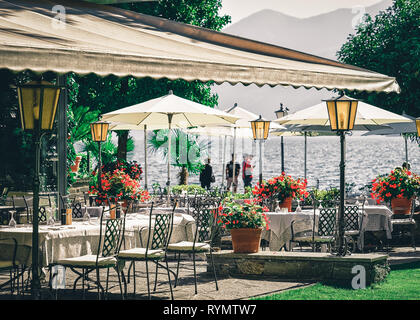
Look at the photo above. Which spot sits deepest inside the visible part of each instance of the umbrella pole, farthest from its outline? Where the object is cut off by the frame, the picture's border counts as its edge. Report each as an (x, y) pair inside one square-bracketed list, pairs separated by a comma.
[(224, 163), (304, 169), (145, 157), (282, 155), (168, 183), (233, 160), (406, 149)]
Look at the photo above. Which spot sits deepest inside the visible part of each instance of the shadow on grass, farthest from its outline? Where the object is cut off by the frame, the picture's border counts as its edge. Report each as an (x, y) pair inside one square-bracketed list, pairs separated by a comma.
[(405, 266)]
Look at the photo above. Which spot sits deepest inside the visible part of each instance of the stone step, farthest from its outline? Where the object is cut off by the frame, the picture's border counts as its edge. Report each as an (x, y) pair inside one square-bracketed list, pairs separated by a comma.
[(301, 266)]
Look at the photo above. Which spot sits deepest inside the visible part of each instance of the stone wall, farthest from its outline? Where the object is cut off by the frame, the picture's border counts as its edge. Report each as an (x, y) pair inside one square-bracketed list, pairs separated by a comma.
[(300, 266)]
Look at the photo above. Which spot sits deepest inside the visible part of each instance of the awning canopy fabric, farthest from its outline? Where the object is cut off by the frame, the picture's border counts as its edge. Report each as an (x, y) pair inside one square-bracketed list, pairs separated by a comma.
[(105, 40)]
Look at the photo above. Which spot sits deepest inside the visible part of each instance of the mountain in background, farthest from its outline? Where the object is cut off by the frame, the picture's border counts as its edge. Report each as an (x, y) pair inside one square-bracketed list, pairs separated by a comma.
[(321, 35)]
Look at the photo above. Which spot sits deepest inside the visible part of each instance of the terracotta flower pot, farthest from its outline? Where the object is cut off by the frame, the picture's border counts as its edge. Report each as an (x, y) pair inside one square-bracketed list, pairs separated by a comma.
[(401, 205), (75, 167), (246, 240), (287, 203)]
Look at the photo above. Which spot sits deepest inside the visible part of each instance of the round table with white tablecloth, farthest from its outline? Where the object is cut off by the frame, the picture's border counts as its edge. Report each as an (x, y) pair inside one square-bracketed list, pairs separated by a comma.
[(376, 218), (81, 238), (279, 233)]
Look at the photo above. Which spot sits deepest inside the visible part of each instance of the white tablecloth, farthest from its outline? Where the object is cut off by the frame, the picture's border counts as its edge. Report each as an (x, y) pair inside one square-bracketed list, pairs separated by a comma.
[(80, 238), (376, 218), (279, 233)]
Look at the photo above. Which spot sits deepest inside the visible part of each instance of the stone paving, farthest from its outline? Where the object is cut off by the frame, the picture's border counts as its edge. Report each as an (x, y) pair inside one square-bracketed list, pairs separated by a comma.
[(230, 288)]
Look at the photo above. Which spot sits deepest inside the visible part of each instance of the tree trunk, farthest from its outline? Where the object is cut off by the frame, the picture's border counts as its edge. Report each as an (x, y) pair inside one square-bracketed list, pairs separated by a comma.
[(122, 145), (183, 176)]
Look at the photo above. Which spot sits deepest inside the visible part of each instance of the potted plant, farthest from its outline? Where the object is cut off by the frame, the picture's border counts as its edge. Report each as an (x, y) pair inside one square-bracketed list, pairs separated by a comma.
[(75, 167), (397, 188), (117, 186), (245, 222), (282, 189)]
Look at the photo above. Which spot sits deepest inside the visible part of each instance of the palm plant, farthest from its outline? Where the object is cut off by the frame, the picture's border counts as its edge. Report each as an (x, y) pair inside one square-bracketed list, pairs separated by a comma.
[(187, 151), (108, 149)]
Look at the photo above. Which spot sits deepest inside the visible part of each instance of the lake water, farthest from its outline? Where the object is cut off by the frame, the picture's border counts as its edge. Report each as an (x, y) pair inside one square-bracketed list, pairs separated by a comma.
[(366, 157)]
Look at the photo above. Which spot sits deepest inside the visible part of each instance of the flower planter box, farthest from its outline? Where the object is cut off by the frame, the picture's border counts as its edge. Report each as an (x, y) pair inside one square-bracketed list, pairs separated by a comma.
[(246, 240)]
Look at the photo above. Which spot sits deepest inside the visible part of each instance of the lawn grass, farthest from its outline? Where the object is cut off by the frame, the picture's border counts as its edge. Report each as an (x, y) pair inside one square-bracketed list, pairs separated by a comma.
[(402, 283)]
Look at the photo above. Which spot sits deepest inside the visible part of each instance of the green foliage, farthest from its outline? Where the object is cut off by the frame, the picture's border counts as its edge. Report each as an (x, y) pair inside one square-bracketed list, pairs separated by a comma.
[(203, 13), (329, 197), (238, 196), (235, 215), (187, 150), (390, 44), (402, 283), (190, 189)]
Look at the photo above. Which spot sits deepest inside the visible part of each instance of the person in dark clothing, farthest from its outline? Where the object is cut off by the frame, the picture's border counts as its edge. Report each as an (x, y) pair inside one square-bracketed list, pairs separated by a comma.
[(229, 175), (206, 175)]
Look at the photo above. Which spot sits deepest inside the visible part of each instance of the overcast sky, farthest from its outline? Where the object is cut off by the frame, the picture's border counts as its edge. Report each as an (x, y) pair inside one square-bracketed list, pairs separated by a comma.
[(239, 9)]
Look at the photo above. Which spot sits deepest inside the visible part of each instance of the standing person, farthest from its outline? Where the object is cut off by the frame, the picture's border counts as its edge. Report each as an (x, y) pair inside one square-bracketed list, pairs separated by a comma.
[(206, 175), (229, 175), (247, 168)]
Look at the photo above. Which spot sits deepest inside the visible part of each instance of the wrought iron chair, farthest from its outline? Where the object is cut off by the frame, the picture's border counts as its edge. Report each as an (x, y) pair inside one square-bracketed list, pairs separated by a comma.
[(154, 250), (110, 239), (401, 223), (11, 262), (204, 237), (353, 220), (322, 233), (42, 210), (3, 195)]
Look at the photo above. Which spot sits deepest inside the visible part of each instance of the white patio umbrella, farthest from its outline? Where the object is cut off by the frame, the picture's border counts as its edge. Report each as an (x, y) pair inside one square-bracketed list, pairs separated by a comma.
[(115, 126), (316, 118), (169, 111), (397, 128), (244, 122), (241, 128)]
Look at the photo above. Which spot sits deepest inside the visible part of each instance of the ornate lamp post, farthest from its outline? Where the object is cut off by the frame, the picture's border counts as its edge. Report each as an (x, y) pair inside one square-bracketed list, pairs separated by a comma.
[(342, 115), (38, 102), (99, 130), (260, 129), (418, 126), (282, 112)]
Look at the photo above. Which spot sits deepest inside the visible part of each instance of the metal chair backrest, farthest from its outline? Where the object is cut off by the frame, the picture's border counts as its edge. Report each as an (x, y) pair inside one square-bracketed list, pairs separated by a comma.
[(327, 221), (159, 236), (111, 235), (162, 229), (86, 198), (76, 210), (42, 212), (353, 216), (65, 201), (205, 220)]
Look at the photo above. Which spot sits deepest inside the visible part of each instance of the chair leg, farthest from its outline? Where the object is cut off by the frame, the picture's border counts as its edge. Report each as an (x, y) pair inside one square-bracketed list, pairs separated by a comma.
[(169, 278), (413, 238), (195, 273), (134, 277), (177, 269), (107, 279), (83, 283), (147, 278), (156, 276), (214, 270), (119, 281), (98, 283)]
